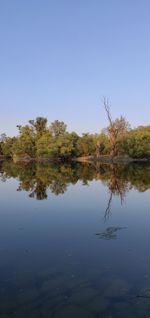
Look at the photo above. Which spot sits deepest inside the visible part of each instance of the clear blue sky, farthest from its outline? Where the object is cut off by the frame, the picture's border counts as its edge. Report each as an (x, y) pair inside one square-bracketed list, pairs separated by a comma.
[(58, 58)]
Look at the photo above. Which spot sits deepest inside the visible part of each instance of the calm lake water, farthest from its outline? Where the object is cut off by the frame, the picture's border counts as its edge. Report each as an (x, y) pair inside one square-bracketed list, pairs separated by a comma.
[(74, 241)]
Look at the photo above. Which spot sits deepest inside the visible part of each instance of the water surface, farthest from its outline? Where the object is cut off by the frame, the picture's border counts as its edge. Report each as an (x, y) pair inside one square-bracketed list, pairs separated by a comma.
[(74, 240)]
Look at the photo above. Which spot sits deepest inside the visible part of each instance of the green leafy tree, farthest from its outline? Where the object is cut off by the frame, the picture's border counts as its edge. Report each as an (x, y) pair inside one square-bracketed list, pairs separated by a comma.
[(66, 146), (25, 143), (86, 145), (102, 144), (58, 128), (39, 125), (44, 144), (7, 146), (137, 143)]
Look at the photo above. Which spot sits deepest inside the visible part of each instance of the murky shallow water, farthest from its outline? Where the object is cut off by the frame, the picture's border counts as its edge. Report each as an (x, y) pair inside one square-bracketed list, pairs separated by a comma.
[(74, 241)]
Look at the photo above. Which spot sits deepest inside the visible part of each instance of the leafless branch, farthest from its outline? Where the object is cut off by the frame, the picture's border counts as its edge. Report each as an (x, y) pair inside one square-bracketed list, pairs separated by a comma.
[(107, 105)]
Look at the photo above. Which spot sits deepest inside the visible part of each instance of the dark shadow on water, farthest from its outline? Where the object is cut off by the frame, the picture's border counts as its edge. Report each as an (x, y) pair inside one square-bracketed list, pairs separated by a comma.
[(110, 233)]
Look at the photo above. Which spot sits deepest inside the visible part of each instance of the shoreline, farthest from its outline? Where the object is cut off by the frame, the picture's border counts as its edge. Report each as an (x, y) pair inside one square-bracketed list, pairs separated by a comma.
[(84, 159)]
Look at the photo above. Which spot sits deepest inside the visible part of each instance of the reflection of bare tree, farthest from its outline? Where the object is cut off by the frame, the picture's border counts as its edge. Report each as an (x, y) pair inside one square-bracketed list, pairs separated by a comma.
[(108, 209), (116, 181), (117, 187)]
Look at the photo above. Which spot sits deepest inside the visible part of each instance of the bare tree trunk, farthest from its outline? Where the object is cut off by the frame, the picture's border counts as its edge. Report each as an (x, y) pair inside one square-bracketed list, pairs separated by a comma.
[(112, 132), (98, 150)]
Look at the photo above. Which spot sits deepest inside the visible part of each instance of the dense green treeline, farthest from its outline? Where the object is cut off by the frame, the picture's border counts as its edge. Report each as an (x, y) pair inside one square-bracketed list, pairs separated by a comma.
[(39, 140)]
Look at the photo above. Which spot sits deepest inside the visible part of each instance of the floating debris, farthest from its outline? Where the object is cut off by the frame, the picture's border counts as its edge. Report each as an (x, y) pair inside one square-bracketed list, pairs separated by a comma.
[(110, 233)]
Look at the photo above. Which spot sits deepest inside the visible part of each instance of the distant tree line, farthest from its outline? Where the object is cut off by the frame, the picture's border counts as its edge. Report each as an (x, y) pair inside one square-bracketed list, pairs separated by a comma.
[(37, 139)]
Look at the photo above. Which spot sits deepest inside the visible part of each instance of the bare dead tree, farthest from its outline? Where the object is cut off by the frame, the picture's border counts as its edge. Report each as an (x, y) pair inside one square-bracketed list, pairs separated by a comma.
[(112, 131), (107, 105), (98, 145), (117, 128)]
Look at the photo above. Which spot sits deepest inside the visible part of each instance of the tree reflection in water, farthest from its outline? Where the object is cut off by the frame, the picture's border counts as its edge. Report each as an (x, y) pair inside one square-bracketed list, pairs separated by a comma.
[(117, 185), (37, 178)]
